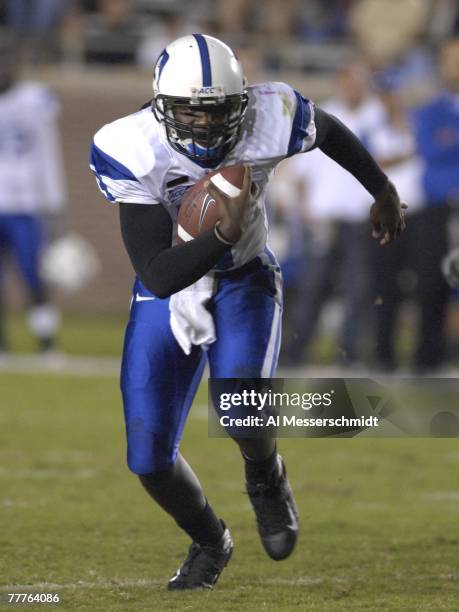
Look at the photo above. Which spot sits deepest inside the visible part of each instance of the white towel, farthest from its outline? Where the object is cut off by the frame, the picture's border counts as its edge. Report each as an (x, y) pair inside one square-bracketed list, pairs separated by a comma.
[(191, 322)]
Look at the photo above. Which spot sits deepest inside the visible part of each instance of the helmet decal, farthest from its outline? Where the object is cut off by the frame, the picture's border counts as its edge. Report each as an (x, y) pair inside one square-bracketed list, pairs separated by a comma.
[(205, 60), (160, 64)]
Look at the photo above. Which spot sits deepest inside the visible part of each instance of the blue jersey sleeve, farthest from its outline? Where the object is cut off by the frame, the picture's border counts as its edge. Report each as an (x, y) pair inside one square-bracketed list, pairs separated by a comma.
[(303, 134)]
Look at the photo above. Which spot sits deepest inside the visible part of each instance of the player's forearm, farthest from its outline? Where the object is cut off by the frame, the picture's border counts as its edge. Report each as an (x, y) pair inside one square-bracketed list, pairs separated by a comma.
[(341, 145), (180, 266), (164, 270)]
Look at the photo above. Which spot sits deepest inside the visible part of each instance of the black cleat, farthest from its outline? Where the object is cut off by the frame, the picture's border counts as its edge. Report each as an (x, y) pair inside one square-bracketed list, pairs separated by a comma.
[(203, 565), (276, 513)]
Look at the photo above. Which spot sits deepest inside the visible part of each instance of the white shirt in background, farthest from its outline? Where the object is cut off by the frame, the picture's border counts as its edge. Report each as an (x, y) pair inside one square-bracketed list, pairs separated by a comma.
[(331, 193), (31, 168)]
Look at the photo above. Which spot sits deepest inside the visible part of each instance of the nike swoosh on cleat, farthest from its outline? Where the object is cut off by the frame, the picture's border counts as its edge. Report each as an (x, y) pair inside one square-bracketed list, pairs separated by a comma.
[(143, 298)]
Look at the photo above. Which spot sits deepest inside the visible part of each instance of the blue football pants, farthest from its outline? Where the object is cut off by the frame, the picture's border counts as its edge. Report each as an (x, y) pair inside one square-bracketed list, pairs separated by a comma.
[(22, 236), (159, 381)]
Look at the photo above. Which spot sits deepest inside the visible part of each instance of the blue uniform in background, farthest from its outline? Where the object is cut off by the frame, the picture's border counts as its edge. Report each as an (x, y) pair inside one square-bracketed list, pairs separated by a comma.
[(22, 235), (437, 133)]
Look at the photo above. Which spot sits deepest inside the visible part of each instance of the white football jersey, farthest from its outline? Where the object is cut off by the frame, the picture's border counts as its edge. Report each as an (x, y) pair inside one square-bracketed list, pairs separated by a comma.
[(134, 163), (31, 172)]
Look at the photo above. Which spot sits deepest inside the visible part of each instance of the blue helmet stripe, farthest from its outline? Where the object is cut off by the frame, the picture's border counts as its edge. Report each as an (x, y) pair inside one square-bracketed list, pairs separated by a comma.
[(161, 63), (205, 60)]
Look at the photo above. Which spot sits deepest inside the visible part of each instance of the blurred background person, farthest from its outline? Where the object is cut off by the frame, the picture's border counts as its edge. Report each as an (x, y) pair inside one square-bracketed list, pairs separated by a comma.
[(36, 26), (157, 35), (271, 17), (437, 136), (337, 211), (444, 20), (393, 270), (113, 34), (395, 33), (323, 22), (31, 185)]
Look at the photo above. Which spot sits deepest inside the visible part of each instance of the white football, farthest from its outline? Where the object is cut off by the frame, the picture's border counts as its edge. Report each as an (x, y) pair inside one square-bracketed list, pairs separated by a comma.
[(69, 263)]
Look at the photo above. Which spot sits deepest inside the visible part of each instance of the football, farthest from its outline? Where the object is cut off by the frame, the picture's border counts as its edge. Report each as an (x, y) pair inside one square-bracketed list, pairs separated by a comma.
[(198, 211)]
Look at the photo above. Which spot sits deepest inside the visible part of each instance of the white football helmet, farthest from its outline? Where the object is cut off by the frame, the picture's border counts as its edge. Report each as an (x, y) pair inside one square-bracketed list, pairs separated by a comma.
[(200, 97)]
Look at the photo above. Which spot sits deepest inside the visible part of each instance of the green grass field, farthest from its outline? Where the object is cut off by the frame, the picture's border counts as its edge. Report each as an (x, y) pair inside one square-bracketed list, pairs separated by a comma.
[(81, 334), (101, 335), (380, 527)]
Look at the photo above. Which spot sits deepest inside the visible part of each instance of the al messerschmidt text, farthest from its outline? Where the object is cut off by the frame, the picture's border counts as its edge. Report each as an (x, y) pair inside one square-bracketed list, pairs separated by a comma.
[(294, 421)]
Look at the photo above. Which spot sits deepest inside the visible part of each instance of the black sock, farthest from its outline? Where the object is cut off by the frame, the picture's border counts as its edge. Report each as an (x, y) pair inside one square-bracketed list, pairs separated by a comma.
[(260, 471), (205, 528)]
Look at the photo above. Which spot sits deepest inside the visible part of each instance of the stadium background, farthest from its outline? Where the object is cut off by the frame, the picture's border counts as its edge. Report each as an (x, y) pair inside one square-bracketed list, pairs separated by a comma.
[(380, 520), (98, 56), (101, 71)]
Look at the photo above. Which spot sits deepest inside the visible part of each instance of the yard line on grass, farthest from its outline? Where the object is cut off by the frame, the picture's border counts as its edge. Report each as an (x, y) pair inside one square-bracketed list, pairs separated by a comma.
[(111, 583), (81, 365), (371, 506), (60, 363), (84, 584), (12, 503), (440, 496), (302, 580), (49, 473)]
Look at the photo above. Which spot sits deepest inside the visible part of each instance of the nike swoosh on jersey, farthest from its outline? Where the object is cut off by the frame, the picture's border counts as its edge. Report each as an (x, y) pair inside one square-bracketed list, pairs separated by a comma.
[(143, 298)]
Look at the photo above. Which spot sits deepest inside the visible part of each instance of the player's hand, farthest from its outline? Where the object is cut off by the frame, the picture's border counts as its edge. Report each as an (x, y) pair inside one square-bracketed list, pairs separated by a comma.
[(387, 215), (231, 210)]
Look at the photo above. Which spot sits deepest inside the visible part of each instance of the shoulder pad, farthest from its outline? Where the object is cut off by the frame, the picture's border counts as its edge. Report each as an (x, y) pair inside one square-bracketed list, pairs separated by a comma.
[(124, 141)]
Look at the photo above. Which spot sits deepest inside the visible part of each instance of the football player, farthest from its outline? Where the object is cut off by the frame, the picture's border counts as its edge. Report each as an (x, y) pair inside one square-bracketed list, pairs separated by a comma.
[(203, 116), (31, 186)]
